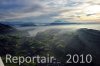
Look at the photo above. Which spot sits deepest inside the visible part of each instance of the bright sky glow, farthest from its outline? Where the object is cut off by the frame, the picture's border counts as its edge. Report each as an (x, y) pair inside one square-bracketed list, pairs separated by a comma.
[(45, 11)]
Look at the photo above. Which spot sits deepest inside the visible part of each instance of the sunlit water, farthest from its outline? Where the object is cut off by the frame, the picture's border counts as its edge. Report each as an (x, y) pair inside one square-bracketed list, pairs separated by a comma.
[(34, 30)]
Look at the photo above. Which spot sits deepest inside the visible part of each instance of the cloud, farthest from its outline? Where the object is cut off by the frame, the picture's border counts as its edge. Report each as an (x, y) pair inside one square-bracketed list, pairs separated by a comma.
[(45, 10)]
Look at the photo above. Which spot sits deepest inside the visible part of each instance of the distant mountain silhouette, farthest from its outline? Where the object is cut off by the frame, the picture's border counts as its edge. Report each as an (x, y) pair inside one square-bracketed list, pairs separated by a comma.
[(19, 24), (27, 24), (58, 22)]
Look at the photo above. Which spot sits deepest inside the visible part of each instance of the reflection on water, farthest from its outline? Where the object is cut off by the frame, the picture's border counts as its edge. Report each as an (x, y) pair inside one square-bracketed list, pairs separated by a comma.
[(34, 30)]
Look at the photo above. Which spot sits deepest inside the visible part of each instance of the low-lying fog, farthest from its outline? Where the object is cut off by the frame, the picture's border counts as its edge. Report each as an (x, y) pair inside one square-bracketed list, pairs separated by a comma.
[(35, 29)]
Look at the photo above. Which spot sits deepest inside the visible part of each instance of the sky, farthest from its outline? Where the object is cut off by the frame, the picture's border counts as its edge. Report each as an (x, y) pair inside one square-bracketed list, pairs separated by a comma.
[(47, 11)]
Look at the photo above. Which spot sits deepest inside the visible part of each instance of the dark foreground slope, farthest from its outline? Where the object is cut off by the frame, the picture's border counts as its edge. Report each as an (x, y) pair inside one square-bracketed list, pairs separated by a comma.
[(6, 28), (86, 41), (83, 41), (56, 42), (91, 39), (11, 30)]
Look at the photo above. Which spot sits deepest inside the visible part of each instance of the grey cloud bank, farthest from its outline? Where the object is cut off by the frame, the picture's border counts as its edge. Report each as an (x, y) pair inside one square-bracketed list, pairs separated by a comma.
[(42, 10)]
